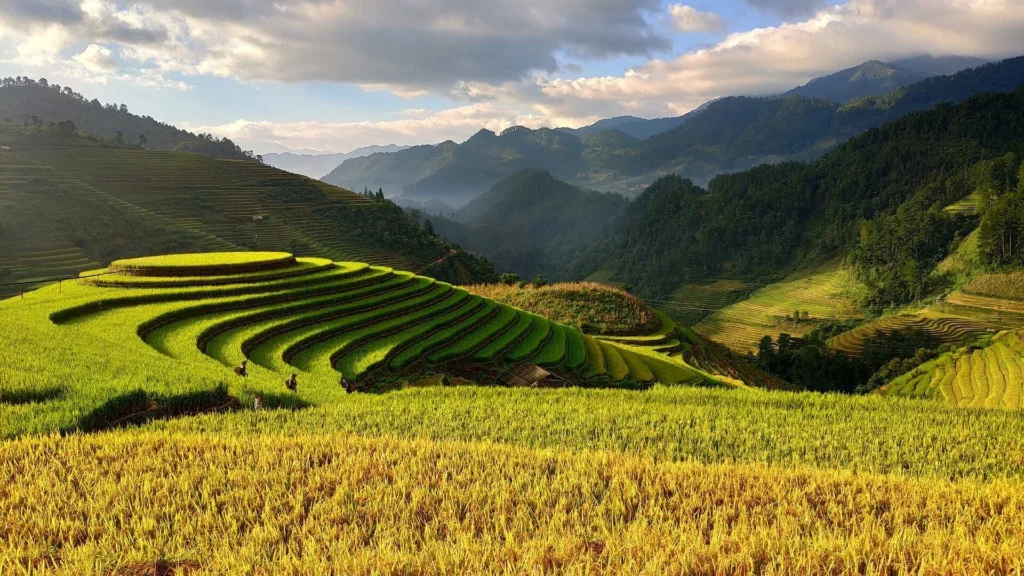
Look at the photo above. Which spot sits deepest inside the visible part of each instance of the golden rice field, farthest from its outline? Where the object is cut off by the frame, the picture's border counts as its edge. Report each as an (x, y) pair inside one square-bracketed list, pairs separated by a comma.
[(947, 329), (824, 296), (353, 505), (129, 446), (586, 306)]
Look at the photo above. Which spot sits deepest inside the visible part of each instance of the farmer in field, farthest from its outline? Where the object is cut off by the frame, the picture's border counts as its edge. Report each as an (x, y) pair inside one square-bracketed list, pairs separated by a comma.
[(346, 385), (243, 370), (292, 383)]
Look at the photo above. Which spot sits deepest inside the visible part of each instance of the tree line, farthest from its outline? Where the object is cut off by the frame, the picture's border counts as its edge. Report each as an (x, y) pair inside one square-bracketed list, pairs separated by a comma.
[(22, 98)]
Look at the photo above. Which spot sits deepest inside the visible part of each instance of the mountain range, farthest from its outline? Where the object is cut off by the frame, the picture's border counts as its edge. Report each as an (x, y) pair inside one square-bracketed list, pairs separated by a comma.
[(316, 165), (727, 135), (874, 78)]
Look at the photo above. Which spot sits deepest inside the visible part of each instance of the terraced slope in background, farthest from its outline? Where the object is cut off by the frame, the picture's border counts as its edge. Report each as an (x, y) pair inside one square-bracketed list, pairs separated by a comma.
[(825, 296), (692, 303), (947, 329), (69, 208), (321, 320)]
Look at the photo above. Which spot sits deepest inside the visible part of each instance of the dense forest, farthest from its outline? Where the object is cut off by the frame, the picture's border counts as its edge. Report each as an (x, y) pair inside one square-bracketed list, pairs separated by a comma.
[(760, 223), (28, 101)]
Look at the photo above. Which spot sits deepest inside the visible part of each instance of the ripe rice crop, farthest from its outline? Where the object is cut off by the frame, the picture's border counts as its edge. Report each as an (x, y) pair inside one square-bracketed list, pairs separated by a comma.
[(318, 504), (586, 306)]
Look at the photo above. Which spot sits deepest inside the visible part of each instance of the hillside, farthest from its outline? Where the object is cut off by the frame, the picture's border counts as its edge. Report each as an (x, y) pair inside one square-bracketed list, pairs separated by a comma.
[(71, 204), (773, 218), (727, 135), (868, 79), (24, 100), (938, 65), (531, 223), (639, 128)]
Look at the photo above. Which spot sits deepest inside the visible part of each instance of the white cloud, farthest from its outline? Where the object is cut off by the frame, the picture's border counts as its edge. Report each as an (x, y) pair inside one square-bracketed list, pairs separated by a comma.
[(689, 19), (97, 59), (775, 59), (410, 127), (404, 45)]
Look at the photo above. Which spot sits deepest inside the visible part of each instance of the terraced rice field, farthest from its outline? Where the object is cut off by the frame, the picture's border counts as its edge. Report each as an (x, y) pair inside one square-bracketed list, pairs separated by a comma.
[(989, 377), (451, 479), (692, 303), (326, 321), (824, 296), (948, 329)]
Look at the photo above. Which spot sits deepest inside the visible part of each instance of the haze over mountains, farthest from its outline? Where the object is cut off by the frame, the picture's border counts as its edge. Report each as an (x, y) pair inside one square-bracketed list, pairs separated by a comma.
[(318, 164), (728, 135)]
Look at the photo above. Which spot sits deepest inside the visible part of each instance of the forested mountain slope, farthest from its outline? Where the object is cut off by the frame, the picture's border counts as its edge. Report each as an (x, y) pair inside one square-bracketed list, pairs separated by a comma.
[(728, 135), (868, 79), (773, 218), (24, 100), (531, 223)]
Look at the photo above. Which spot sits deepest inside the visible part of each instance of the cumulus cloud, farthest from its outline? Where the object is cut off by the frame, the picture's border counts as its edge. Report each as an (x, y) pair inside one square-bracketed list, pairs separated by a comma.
[(408, 44), (689, 19), (775, 59), (96, 58)]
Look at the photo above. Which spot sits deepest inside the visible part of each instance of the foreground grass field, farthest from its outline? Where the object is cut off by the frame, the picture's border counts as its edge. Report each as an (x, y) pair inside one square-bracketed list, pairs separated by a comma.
[(164, 465), (315, 505)]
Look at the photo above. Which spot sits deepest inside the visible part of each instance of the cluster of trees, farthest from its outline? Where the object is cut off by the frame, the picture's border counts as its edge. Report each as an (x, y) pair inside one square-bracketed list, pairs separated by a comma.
[(896, 253), (24, 98), (810, 364), (1001, 235), (378, 196), (760, 223)]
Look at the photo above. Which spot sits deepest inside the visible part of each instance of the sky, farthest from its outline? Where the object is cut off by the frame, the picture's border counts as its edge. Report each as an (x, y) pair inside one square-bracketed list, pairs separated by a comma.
[(335, 75)]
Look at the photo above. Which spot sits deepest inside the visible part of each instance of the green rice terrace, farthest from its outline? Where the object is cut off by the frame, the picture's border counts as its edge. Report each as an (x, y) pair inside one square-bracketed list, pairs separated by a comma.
[(178, 330)]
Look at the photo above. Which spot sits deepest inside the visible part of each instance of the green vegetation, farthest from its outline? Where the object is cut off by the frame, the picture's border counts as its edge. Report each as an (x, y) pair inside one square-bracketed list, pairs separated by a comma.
[(408, 463), (530, 223), (368, 324), (691, 303), (989, 376), (210, 264), (794, 306), (756, 224), (869, 79)]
